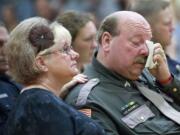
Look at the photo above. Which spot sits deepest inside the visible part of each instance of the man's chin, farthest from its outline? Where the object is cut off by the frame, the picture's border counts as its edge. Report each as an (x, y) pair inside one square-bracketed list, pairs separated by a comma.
[(135, 76)]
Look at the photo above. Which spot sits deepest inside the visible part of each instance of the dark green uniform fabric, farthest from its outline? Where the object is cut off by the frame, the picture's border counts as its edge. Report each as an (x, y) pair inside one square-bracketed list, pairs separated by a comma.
[(119, 107)]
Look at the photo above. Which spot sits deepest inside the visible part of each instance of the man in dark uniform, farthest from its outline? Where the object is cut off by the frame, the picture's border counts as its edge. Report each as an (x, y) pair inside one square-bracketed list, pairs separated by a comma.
[(159, 14), (8, 89), (115, 96)]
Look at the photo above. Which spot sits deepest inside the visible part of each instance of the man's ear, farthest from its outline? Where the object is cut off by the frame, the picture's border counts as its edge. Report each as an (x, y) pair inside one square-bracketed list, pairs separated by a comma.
[(40, 64), (106, 40)]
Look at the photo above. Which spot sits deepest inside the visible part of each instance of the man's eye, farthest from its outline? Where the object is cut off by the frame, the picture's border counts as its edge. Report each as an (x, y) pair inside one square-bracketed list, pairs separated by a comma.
[(136, 44)]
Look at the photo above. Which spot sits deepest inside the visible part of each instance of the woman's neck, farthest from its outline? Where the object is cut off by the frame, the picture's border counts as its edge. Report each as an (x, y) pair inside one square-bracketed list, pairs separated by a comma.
[(47, 85)]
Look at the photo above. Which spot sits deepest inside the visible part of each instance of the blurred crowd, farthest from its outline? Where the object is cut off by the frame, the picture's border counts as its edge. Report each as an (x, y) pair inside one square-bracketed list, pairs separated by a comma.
[(12, 12)]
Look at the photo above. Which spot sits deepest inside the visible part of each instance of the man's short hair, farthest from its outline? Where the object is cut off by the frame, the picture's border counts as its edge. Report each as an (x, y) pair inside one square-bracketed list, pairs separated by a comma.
[(109, 24)]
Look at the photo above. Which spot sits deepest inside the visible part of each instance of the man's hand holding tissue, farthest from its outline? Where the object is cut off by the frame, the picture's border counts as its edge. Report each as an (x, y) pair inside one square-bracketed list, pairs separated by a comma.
[(157, 63)]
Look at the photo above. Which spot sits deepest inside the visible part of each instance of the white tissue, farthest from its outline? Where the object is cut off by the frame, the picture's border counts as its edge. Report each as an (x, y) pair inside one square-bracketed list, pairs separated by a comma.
[(149, 63)]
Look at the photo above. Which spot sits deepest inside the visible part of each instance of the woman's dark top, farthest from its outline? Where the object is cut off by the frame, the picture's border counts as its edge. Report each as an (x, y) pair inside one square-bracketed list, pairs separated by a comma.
[(40, 112)]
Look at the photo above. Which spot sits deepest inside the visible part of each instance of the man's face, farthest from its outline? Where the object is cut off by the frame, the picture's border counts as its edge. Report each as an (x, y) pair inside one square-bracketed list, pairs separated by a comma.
[(3, 59), (129, 50), (162, 27)]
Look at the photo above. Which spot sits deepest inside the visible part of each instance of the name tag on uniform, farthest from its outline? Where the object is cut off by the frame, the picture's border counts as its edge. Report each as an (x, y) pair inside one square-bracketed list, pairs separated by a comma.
[(126, 109), (3, 95)]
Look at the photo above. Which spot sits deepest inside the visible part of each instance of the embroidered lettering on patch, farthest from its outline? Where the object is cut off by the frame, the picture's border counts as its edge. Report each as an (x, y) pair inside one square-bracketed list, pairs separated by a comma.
[(129, 107), (4, 95), (86, 112)]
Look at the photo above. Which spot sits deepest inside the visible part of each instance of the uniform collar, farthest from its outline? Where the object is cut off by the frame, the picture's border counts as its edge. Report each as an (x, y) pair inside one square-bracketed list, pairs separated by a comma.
[(109, 75)]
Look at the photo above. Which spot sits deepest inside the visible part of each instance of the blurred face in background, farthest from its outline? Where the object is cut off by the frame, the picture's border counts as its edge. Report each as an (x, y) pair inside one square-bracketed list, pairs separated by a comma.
[(162, 27), (3, 59), (45, 9), (85, 43)]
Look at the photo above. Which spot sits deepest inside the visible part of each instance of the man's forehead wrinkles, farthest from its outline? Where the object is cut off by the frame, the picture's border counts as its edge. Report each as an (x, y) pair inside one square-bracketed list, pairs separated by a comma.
[(138, 25)]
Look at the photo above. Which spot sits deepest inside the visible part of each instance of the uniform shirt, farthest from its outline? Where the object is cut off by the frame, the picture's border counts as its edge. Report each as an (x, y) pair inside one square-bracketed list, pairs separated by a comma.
[(9, 91), (40, 112), (174, 66), (119, 107)]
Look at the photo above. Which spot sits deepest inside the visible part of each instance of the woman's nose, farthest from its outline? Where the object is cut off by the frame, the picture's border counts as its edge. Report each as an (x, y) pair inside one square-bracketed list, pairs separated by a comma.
[(74, 54), (94, 44)]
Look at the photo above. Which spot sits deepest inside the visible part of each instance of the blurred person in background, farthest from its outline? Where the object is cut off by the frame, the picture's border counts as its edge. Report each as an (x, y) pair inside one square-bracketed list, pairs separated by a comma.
[(159, 14), (125, 4), (9, 16), (177, 29), (9, 90), (47, 8), (47, 63), (99, 8), (24, 9), (83, 31)]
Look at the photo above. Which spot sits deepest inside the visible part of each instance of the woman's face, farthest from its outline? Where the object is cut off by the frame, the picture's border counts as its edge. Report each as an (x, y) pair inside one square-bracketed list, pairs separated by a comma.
[(62, 61), (3, 59), (85, 43)]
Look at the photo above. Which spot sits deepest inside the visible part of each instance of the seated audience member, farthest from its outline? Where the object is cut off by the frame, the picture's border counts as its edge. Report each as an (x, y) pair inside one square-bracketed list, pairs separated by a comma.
[(44, 61), (9, 90), (115, 96), (83, 32), (159, 14)]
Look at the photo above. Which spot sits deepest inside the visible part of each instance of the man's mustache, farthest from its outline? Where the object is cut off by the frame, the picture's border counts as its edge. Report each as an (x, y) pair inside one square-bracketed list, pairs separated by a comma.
[(141, 60)]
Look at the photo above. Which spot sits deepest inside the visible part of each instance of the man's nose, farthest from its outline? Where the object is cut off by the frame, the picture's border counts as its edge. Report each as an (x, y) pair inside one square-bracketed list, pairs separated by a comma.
[(144, 50)]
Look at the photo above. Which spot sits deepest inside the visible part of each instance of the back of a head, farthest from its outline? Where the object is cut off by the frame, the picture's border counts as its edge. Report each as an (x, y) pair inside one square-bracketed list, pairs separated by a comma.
[(149, 8), (26, 40), (74, 21)]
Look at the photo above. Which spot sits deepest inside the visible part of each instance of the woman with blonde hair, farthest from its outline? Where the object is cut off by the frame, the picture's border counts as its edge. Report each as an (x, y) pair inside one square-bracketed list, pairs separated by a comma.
[(43, 61)]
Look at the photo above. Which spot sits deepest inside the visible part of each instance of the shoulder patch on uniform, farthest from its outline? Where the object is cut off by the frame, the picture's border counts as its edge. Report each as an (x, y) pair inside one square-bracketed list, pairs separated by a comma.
[(87, 112), (85, 90)]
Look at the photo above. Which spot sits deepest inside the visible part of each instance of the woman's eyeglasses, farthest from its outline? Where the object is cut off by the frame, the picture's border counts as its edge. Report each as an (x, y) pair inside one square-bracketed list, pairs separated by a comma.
[(66, 50)]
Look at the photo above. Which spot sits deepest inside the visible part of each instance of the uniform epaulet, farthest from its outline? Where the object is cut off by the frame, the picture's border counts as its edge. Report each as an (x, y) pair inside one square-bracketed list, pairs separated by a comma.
[(85, 90)]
